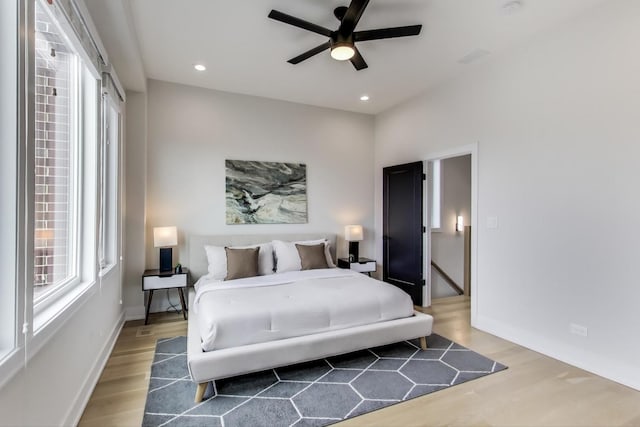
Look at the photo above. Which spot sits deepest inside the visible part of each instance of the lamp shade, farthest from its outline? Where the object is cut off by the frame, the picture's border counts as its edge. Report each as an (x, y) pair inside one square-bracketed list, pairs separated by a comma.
[(165, 236), (353, 233)]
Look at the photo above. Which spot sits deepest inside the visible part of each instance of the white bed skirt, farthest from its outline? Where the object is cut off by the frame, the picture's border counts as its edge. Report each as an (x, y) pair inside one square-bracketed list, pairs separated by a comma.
[(228, 362)]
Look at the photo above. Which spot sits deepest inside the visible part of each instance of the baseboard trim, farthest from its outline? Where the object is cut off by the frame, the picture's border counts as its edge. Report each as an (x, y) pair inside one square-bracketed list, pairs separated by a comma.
[(83, 396), (610, 369)]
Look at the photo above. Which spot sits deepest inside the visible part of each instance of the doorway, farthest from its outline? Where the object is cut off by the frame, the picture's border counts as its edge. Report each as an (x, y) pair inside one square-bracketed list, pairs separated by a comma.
[(451, 216)]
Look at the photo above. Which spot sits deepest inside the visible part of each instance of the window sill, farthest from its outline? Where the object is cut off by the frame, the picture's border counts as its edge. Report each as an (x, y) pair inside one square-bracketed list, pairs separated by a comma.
[(52, 318), (106, 270)]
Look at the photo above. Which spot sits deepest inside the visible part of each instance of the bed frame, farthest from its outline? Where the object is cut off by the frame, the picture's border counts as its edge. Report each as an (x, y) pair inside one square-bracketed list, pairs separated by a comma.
[(205, 367)]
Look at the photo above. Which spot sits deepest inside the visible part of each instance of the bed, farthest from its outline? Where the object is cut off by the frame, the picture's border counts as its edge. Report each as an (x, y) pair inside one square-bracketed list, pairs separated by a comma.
[(252, 324)]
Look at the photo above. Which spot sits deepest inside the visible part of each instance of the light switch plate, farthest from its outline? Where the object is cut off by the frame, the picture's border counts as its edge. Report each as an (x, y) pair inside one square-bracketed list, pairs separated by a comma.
[(492, 222), (580, 330)]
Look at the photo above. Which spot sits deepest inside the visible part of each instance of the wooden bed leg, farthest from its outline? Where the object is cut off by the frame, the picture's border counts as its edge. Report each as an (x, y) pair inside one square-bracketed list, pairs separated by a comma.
[(423, 343), (202, 387)]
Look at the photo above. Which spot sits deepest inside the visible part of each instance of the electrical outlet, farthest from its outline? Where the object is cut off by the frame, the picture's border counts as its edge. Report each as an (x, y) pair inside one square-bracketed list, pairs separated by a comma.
[(576, 329)]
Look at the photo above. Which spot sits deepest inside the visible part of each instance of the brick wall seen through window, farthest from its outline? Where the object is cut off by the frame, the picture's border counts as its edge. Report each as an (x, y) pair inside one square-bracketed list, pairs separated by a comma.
[(55, 77)]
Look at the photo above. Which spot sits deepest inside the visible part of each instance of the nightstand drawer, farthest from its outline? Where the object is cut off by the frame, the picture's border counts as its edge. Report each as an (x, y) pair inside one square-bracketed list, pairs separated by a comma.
[(364, 267), (164, 282)]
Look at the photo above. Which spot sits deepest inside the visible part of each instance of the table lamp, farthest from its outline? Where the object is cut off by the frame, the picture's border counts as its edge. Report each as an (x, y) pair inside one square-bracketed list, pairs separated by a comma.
[(164, 238), (353, 234)]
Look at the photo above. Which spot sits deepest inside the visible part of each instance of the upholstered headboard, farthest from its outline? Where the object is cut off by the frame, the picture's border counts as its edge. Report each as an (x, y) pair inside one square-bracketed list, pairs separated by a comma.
[(198, 265)]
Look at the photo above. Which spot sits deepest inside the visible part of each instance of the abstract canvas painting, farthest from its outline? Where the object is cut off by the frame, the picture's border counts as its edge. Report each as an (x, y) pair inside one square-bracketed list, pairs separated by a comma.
[(266, 192)]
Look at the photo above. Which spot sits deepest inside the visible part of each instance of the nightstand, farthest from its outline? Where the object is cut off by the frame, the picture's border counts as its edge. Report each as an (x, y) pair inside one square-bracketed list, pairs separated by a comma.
[(153, 280), (364, 265)]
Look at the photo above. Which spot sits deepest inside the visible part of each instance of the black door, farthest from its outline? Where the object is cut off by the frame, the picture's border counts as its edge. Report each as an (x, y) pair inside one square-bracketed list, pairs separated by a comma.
[(403, 229)]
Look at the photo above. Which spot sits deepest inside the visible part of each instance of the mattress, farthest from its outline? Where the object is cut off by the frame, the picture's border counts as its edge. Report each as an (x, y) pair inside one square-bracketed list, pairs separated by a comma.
[(266, 308)]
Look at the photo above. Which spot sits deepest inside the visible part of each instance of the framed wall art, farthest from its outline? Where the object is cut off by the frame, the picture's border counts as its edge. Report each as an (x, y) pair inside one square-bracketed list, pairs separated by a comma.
[(266, 192)]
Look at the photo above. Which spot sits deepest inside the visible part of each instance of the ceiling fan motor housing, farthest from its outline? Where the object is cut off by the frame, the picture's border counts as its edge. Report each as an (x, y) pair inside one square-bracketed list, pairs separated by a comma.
[(338, 39)]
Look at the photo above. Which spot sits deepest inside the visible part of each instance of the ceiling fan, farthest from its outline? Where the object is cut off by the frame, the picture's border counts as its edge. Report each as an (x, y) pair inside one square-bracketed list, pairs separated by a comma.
[(342, 41)]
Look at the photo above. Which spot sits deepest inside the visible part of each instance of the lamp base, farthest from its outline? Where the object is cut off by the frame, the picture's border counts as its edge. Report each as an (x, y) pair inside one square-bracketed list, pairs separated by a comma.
[(353, 251), (166, 258)]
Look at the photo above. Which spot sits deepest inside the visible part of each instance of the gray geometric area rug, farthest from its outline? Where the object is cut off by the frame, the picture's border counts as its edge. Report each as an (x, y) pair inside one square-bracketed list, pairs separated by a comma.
[(315, 393)]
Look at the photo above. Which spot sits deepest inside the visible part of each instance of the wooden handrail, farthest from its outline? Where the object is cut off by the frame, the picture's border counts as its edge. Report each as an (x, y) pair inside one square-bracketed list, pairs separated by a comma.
[(448, 279)]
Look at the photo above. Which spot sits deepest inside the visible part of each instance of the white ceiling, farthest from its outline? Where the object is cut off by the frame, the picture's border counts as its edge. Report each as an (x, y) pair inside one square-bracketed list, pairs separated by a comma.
[(245, 52)]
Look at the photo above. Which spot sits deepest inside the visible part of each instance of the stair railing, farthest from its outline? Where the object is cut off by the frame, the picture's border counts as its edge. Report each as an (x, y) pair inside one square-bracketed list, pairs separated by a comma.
[(447, 278)]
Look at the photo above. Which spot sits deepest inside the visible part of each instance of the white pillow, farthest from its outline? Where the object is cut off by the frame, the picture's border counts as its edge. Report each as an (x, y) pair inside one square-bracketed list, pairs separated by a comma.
[(288, 259), (217, 258)]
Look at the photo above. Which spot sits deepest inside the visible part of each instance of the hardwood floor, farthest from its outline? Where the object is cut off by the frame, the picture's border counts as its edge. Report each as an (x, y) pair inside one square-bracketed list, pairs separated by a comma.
[(121, 392), (535, 391)]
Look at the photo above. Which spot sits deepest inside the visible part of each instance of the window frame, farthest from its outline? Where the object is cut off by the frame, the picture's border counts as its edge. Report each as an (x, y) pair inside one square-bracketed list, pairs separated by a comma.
[(50, 313), (109, 223), (76, 144), (11, 129), (75, 187)]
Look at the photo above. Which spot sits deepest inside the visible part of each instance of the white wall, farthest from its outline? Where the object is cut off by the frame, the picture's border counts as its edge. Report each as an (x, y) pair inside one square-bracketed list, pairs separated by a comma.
[(191, 131), (447, 245), (556, 123)]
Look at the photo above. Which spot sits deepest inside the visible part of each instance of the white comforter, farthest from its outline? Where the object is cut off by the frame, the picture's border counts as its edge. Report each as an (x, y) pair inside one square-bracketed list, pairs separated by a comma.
[(266, 308)]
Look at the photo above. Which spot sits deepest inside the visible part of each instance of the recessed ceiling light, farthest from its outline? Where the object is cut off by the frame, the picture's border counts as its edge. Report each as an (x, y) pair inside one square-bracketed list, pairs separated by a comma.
[(199, 67), (364, 98)]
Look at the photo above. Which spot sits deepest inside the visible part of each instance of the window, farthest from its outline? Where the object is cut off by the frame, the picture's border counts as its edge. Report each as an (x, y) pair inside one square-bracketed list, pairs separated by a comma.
[(65, 178), (49, 186), (107, 254), (56, 158), (436, 195)]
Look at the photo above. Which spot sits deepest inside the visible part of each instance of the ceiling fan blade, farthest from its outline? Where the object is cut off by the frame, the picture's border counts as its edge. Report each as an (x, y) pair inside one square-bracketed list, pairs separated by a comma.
[(387, 33), (308, 54), (300, 23), (352, 16), (357, 60)]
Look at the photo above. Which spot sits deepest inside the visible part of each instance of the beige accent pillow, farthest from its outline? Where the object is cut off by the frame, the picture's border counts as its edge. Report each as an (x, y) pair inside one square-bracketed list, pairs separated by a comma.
[(242, 263), (312, 256)]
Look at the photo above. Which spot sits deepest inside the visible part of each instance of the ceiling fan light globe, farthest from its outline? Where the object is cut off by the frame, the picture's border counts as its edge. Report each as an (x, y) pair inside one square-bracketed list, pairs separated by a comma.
[(342, 52)]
